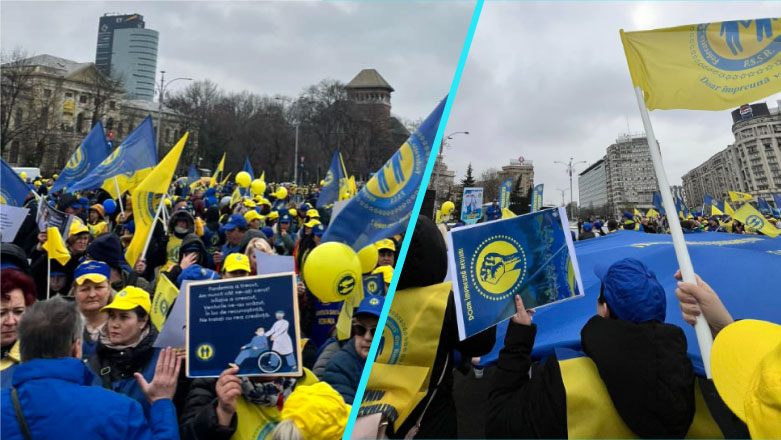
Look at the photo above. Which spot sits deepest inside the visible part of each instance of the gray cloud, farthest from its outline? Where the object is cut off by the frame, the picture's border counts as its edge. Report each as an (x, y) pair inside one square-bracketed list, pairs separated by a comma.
[(549, 81)]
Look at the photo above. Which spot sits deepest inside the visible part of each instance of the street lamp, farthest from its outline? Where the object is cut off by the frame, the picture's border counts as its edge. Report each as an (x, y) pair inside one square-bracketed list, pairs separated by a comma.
[(295, 153), (570, 168), (442, 153), (562, 191), (160, 105)]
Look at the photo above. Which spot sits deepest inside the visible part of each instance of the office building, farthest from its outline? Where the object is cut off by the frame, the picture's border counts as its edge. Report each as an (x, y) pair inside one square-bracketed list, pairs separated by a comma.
[(127, 51)]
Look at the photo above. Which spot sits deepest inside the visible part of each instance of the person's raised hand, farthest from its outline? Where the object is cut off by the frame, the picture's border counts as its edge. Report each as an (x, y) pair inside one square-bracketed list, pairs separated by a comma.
[(696, 299), (521, 316), (228, 388), (163, 385), (188, 260)]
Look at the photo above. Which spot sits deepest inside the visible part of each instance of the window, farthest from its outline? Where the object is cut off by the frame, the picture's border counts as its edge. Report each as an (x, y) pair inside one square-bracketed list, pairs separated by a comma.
[(47, 93), (80, 122), (68, 94), (83, 99), (110, 124)]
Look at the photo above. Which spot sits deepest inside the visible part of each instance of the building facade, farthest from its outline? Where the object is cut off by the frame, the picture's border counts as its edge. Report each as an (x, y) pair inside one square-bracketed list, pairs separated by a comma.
[(629, 173), (443, 181), (519, 170), (127, 51), (749, 165), (592, 186)]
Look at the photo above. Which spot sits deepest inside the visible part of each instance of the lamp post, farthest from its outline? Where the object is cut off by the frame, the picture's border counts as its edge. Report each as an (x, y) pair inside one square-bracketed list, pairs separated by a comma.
[(295, 152), (570, 168), (160, 98), (442, 153), (562, 191)]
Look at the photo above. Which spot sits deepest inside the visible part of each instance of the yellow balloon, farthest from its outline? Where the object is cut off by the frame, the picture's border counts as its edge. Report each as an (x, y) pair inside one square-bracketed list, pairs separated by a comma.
[(281, 193), (368, 257), (23, 175), (448, 207), (243, 179), (332, 272), (258, 187)]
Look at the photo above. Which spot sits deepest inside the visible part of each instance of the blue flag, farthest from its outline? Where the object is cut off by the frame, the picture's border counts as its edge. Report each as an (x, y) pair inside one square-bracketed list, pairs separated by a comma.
[(763, 206), (13, 190), (329, 193), (537, 198), (681, 208), (136, 153), (777, 200), (750, 256), (383, 206), (86, 158), (193, 175), (505, 191), (708, 200), (530, 255), (248, 168), (658, 204)]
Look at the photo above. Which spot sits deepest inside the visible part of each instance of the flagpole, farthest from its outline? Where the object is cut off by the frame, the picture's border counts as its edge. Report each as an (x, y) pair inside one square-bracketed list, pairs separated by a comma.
[(152, 229), (48, 275), (701, 328), (119, 197)]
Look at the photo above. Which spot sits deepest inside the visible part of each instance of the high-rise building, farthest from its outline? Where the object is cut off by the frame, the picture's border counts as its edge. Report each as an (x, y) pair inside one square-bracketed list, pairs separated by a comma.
[(592, 186), (750, 165), (127, 51)]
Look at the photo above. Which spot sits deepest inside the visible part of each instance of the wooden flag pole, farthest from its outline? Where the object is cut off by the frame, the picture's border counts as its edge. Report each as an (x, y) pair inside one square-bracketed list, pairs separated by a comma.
[(701, 328)]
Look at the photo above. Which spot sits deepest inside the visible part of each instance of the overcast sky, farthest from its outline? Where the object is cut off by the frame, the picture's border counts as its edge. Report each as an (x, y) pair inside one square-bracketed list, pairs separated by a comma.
[(549, 81), (269, 48)]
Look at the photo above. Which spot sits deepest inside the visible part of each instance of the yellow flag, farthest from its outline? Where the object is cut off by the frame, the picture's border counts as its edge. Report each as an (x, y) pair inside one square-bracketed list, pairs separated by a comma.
[(709, 66), (345, 320), (739, 196), (506, 213), (652, 213), (750, 217), (353, 187), (236, 196), (218, 172), (147, 196), (263, 176), (714, 210), (54, 246), (165, 294), (638, 213), (438, 217), (728, 209), (225, 180)]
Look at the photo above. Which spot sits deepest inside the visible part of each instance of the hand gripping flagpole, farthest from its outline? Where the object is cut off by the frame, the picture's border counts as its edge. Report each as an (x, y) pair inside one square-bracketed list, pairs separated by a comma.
[(119, 197), (701, 328)]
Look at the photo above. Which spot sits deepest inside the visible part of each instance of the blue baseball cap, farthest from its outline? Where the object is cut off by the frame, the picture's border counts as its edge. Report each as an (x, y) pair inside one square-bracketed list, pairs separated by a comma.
[(196, 273), (628, 215), (267, 231), (284, 218), (318, 229), (632, 291), (587, 226), (95, 271), (235, 221), (371, 305)]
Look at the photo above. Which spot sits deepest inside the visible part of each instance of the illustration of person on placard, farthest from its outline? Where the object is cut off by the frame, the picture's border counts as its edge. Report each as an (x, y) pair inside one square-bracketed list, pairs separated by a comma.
[(282, 343), (254, 348)]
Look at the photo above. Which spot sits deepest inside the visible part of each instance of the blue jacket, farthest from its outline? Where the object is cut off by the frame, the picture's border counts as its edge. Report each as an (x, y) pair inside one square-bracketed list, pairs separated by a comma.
[(344, 370), (58, 402), (493, 213)]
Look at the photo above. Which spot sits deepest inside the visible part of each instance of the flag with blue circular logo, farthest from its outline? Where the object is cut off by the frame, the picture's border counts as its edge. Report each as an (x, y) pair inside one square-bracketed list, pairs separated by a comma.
[(91, 153)]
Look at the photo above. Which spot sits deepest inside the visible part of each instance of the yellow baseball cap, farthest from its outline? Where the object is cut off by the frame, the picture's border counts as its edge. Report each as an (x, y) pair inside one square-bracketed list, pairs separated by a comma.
[(236, 262), (386, 244), (313, 213), (129, 298), (292, 212), (312, 223), (249, 203), (386, 271), (264, 201), (77, 228), (317, 410), (746, 366), (95, 271), (252, 215), (273, 215)]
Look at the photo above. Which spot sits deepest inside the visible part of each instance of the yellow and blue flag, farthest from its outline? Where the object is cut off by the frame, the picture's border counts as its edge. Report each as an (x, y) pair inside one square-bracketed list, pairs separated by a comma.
[(13, 190), (735, 196), (728, 209), (658, 203), (752, 218), (329, 193), (130, 163), (505, 191), (763, 205), (165, 295), (248, 168), (146, 198), (530, 255), (777, 200), (91, 153), (708, 66), (652, 213), (714, 210), (537, 198), (383, 206)]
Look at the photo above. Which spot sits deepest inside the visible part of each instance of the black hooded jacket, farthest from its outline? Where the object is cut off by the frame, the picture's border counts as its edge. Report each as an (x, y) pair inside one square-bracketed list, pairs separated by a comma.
[(644, 366), (425, 265), (188, 242)]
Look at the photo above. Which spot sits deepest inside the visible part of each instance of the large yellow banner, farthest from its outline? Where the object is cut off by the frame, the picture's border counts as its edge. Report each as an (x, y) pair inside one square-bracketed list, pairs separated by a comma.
[(709, 66)]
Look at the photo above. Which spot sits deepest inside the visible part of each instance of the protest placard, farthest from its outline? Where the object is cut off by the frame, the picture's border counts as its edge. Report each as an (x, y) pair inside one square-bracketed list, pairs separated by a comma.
[(48, 217), (269, 264), (251, 322), (531, 255), (472, 205), (11, 219), (374, 284)]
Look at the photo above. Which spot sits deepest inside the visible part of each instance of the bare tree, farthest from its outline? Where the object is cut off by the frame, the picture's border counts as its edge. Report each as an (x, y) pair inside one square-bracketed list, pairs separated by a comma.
[(103, 90), (490, 181), (17, 77)]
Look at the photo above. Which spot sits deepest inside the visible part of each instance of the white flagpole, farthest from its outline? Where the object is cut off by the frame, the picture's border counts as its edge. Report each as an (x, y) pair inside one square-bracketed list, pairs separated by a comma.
[(48, 275), (152, 230), (119, 197), (701, 328)]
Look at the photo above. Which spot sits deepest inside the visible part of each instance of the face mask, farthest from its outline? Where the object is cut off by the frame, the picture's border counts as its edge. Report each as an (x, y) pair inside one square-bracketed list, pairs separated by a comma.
[(181, 231)]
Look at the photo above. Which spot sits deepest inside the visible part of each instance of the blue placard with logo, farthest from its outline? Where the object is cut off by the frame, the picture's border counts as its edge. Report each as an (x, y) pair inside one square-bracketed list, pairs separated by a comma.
[(472, 205), (251, 322), (531, 255), (374, 284)]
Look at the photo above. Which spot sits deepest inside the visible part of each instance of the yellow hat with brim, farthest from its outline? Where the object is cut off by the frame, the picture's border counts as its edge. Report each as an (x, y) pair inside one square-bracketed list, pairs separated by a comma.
[(386, 244), (249, 203), (95, 271), (386, 271), (252, 215), (236, 262), (312, 223), (77, 228), (313, 213), (129, 298), (292, 212), (746, 367), (273, 215), (317, 410)]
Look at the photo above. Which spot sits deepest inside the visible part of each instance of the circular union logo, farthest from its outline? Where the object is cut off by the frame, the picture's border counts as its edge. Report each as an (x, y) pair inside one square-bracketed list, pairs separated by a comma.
[(204, 352), (394, 175), (498, 267), (738, 45), (329, 177), (394, 335), (345, 284), (755, 222), (372, 287), (75, 160), (374, 301)]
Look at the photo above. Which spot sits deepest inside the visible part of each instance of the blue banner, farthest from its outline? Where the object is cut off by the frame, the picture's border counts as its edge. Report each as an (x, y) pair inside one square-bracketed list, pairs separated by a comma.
[(193, 175), (658, 204), (86, 158), (709, 200), (752, 262), (777, 200), (383, 206), (248, 168), (251, 322), (763, 206), (135, 153), (329, 193), (537, 198), (505, 192), (374, 284), (472, 205), (326, 315), (13, 190), (530, 255)]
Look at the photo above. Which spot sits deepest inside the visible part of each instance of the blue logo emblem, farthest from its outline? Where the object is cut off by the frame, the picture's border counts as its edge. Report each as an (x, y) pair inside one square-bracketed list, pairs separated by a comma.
[(756, 222), (738, 45)]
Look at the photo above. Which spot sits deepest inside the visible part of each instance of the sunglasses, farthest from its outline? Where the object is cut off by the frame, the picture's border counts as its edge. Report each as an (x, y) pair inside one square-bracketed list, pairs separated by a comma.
[(360, 330)]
